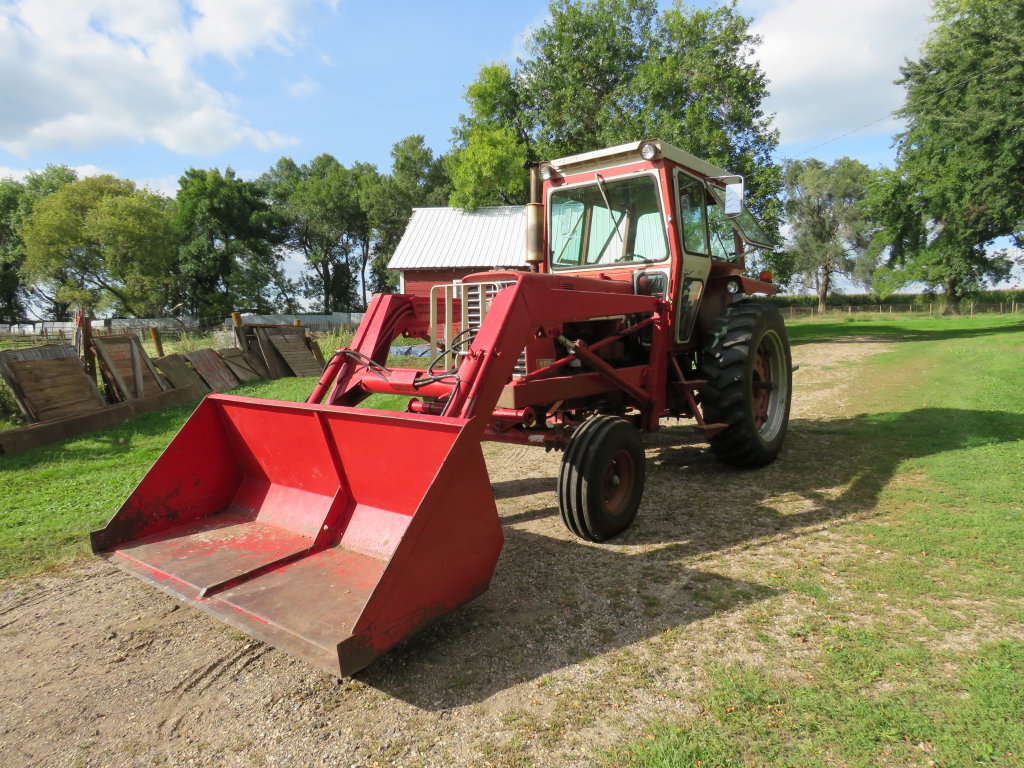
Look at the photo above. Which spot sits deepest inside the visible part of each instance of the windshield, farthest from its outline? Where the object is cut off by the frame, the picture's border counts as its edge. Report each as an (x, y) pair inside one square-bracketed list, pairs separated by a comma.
[(607, 222)]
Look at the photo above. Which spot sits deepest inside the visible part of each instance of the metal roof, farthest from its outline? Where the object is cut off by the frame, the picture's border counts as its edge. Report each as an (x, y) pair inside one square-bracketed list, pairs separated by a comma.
[(451, 237)]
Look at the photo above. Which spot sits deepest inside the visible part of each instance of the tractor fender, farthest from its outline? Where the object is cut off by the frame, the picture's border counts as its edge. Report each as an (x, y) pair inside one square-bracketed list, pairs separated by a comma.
[(752, 285)]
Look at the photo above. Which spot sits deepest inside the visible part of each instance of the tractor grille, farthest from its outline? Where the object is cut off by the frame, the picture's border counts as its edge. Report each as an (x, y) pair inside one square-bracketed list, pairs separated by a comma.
[(474, 300)]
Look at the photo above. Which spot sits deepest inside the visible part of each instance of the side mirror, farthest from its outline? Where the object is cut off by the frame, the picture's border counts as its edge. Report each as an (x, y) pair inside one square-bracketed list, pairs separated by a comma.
[(734, 198)]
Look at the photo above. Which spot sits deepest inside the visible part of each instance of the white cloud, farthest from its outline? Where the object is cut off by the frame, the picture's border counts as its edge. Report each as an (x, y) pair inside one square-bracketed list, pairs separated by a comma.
[(235, 27), (306, 86), (85, 73), (517, 48), (164, 185), (832, 63), (19, 174)]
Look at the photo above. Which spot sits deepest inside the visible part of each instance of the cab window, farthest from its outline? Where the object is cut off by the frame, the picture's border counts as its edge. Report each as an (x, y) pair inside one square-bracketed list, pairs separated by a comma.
[(723, 238), (607, 222), (693, 215)]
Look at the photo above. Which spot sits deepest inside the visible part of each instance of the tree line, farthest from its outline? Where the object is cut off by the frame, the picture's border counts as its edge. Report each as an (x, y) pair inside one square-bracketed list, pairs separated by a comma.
[(597, 73), (218, 245)]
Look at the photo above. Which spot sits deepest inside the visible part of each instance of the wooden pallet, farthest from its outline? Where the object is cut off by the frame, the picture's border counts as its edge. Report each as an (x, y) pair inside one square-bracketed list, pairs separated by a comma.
[(212, 369), (56, 388), (257, 342), (242, 364), (276, 364), (126, 367), (176, 370), (296, 353), (31, 382)]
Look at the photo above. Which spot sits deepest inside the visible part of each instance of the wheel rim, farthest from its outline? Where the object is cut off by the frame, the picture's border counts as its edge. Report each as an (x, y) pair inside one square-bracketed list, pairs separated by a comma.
[(769, 385), (617, 483)]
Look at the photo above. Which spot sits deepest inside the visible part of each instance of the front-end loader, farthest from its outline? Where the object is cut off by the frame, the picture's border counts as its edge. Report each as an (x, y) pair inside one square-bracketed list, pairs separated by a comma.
[(335, 531)]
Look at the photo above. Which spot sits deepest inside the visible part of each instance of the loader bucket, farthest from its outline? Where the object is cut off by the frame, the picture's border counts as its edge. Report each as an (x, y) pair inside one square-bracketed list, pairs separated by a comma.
[(330, 532)]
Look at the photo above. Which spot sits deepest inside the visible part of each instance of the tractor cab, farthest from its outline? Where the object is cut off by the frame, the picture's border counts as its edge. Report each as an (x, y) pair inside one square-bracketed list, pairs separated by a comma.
[(649, 213)]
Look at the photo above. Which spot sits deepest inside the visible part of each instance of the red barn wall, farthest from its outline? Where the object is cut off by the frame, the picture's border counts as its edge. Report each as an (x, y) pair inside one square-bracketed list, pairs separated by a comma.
[(419, 281)]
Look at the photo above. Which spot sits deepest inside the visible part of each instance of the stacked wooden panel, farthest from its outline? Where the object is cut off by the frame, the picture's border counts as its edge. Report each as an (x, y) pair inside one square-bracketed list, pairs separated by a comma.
[(49, 382), (126, 368), (286, 350)]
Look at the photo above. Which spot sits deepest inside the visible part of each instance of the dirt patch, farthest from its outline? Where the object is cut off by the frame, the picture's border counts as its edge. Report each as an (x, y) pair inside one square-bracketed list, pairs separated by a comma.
[(575, 647)]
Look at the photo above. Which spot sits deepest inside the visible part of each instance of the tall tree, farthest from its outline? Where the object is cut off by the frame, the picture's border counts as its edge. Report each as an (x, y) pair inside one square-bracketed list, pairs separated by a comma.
[(102, 243), (957, 185), (829, 229), (320, 206), (12, 305), (229, 259), (16, 202), (417, 178), (603, 72)]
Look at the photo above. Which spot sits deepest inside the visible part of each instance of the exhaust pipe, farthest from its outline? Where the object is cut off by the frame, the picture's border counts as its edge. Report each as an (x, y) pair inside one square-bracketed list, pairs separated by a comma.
[(534, 221)]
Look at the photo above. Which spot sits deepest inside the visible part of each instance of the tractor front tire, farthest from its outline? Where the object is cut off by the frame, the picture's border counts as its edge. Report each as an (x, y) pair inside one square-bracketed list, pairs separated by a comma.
[(749, 372), (601, 481)]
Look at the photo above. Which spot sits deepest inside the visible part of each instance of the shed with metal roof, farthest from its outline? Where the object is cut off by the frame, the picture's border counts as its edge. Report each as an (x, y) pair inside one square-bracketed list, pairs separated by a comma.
[(445, 244)]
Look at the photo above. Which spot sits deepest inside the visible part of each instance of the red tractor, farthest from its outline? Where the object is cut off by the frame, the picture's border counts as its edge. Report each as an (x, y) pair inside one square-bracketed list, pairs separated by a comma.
[(336, 531)]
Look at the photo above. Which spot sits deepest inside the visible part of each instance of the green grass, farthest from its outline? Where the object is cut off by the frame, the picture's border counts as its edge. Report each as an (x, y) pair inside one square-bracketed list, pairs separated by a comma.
[(940, 450), (53, 496), (869, 703)]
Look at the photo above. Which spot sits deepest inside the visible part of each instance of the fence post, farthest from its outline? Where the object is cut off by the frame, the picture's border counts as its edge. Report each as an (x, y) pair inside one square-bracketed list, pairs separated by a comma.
[(972, 309), (296, 322), (236, 322), (158, 344), (88, 356)]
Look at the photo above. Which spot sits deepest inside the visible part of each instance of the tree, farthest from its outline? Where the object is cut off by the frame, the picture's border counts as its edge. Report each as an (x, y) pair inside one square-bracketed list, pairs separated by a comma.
[(603, 72), (417, 178), (320, 205), (829, 231), (957, 184), (579, 83), (102, 243), (16, 202), (230, 232), (12, 306)]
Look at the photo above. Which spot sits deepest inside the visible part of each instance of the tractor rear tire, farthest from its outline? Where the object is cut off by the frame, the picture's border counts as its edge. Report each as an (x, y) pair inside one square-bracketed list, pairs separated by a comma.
[(749, 372), (601, 480)]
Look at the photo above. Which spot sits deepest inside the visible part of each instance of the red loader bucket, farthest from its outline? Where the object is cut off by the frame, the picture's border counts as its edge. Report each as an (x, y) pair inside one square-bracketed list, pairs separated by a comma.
[(330, 532)]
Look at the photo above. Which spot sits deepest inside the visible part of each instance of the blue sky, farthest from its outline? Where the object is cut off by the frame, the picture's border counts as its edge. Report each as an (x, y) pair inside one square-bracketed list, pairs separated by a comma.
[(147, 88)]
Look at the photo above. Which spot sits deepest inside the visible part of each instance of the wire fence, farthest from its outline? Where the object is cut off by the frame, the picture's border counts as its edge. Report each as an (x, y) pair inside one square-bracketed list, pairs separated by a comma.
[(932, 309)]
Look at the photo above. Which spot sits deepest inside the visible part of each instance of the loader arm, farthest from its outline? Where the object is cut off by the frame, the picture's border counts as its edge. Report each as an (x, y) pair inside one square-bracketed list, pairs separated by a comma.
[(335, 532)]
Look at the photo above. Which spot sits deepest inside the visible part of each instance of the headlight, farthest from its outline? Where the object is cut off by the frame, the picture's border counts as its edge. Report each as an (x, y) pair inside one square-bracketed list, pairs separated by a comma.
[(648, 150), (546, 172), (732, 286)]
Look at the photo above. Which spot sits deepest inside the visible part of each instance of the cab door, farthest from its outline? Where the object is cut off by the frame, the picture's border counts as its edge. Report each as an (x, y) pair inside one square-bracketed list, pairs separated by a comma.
[(692, 218)]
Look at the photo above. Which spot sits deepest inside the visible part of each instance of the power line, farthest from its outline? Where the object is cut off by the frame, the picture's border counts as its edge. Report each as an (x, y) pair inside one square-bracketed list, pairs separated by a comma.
[(893, 113)]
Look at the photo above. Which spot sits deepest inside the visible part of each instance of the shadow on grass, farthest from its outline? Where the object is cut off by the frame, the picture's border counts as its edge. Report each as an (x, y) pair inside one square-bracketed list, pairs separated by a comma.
[(555, 600), (855, 331)]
